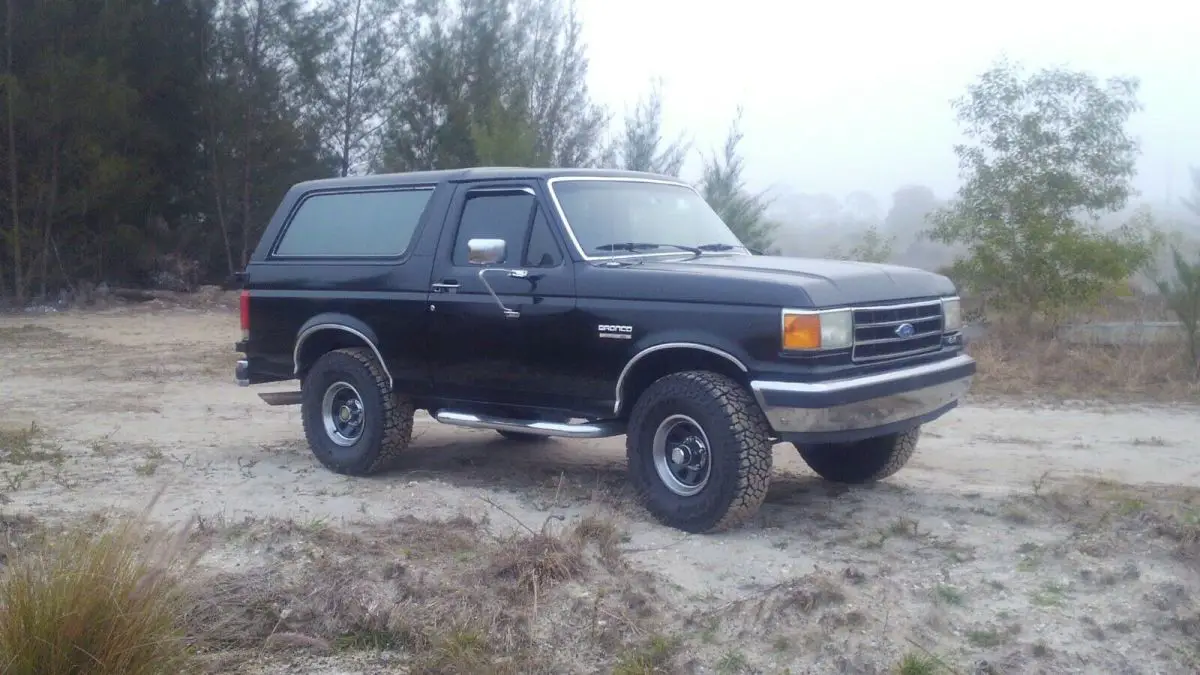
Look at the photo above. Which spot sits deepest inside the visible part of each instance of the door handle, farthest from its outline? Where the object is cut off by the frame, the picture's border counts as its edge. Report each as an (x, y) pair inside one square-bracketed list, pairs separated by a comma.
[(447, 285)]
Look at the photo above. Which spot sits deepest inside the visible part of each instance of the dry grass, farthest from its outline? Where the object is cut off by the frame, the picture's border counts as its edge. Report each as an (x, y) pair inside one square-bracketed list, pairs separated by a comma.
[(1105, 514), (442, 596), (17, 442), (1107, 519), (447, 596), (107, 600), (29, 335), (1023, 364)]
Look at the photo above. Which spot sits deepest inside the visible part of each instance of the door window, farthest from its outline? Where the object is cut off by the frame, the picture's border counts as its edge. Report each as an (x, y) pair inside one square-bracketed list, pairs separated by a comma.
[(495, 215), (542, 250)]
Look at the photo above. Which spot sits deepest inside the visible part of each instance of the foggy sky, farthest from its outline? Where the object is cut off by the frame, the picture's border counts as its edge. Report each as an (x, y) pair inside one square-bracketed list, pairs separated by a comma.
[(845, 96)]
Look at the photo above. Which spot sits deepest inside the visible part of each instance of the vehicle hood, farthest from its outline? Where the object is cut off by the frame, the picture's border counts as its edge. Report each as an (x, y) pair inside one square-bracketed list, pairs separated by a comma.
[(785, 280)]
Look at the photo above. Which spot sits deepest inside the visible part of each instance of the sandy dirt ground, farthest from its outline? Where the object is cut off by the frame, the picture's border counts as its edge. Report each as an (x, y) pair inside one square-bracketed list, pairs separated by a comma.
[(1022, 538)]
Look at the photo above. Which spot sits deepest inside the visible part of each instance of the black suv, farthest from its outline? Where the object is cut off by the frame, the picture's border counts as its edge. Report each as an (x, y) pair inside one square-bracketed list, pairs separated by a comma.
[(591, 303)]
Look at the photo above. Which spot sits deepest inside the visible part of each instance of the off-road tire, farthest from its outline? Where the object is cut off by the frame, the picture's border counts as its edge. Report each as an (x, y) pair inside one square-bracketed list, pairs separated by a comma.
[(739, 453), (388, 416), (866, 461), (518, 437)]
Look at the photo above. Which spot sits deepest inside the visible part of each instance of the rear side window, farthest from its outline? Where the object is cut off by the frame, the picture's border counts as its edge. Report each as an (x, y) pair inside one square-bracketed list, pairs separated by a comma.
[(376, 223)]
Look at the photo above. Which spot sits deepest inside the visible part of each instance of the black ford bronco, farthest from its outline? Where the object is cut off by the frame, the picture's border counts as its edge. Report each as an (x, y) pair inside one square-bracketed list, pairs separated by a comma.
[(591, 303)]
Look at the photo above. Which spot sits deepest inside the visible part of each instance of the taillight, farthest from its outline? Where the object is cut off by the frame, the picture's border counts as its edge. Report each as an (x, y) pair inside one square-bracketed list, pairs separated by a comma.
[(244, 302)]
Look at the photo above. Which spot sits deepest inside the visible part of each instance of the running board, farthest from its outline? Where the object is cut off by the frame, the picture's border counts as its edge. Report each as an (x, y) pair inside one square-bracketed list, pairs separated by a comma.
[(601, 429), (281, 397)]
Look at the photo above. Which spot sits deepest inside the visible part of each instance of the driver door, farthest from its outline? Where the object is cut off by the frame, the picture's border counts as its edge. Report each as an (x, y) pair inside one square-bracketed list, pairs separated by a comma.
[(515, 343)]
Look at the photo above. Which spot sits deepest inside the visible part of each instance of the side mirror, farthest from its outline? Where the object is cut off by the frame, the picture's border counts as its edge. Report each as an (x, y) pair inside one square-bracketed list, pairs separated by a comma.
[(486, 251)]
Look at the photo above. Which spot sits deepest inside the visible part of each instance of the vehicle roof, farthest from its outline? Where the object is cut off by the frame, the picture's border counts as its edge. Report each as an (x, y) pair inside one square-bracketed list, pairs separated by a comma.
[(472, 174)]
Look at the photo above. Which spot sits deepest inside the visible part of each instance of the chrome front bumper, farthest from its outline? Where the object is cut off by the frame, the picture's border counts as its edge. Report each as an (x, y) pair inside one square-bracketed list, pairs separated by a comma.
[(869, 405)]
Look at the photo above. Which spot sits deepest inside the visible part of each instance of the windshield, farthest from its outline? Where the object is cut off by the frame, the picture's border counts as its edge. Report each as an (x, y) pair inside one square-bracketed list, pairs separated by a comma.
[(607, 215)]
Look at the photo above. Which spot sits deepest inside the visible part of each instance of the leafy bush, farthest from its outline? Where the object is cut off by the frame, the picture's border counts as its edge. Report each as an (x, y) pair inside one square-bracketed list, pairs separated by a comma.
[(1046, 152)]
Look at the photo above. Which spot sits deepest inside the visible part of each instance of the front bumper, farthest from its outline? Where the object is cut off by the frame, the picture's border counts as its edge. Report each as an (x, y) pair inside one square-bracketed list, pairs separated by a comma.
[(242, 374), (861, 407)]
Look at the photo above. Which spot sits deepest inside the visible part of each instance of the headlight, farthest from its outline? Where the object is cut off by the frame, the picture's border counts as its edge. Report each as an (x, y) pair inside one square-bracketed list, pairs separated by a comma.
[(813, 330), (952, 311)]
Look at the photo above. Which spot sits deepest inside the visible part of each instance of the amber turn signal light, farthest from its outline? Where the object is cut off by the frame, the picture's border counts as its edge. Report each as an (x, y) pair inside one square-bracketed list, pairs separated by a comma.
[(802, 331)]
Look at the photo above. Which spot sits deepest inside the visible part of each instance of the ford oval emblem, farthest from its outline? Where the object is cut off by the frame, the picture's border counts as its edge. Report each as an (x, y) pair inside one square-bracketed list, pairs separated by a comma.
[(905, 330)]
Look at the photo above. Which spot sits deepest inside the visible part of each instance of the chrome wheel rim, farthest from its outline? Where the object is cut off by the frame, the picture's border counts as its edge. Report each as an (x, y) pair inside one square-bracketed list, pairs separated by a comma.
[(681, 455), (342, 412)]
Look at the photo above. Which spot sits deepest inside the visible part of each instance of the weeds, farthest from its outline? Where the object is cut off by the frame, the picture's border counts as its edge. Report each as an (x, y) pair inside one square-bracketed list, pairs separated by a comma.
[(29, 335), (103, 602), (28, 445), (447, 593), (651, 658), (1051, 594), (732, 662), (1015, 363), (914, 663), (538, 559), (984, 638), (944, 593)]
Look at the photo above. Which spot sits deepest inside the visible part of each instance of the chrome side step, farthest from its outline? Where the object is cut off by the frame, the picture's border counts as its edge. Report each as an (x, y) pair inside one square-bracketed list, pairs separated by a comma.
[(601, 429), (281, 397)]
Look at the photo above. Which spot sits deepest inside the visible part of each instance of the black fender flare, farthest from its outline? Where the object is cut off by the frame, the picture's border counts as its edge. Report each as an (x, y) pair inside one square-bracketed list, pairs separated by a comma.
[(338, 322), (673, 341)]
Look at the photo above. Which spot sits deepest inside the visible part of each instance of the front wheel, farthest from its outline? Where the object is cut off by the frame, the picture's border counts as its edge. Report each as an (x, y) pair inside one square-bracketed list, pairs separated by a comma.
[(354, 423), (699, 451), (866, 461)]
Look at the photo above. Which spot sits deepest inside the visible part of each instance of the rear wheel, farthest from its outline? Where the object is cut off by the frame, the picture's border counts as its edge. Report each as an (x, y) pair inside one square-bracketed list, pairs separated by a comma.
[(354, 423), (865, 461), (699, 451)]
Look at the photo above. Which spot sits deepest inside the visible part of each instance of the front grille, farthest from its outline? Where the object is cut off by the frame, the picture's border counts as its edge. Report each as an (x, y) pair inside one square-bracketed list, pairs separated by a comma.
[(878, 330)]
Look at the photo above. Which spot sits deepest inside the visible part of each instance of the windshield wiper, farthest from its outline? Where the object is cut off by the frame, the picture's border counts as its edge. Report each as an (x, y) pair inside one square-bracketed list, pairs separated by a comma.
[(718, 247), (635, 246)]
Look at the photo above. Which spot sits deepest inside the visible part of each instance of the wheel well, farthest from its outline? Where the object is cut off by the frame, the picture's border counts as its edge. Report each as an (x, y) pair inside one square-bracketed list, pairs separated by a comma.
[(317, 344), (651, 367)]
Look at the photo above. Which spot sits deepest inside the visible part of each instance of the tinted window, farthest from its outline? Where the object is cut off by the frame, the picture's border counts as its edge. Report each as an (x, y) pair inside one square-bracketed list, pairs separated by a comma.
[(377, 223), (494, 216), (543, 250)]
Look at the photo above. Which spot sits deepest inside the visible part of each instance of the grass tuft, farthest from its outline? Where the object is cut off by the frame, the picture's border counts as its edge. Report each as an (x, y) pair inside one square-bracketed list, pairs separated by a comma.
[(914, 663), (537, 559), (99, 602), (27, 445), (652, 657)]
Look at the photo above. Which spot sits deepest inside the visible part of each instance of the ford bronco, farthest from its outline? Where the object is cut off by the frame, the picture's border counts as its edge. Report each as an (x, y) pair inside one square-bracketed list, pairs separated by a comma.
[(591, 303)]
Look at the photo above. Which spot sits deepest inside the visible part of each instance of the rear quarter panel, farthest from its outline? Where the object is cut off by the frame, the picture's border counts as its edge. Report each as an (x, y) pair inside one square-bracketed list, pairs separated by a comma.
[(387, 295)]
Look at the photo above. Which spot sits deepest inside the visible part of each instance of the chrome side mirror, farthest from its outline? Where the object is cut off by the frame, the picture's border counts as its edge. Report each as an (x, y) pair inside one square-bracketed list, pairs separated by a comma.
[(490, 252), (486, 251)]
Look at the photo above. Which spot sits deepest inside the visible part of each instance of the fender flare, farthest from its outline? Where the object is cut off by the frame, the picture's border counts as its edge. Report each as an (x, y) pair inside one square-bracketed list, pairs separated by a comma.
[(662, 346), (346, 324)]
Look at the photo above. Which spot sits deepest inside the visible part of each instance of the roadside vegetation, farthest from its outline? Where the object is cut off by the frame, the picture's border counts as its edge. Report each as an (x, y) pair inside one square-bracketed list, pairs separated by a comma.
[(466, 594), (109, 188)]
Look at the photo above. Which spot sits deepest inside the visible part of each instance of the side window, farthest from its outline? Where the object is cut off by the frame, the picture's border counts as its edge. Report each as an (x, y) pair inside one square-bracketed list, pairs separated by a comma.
[(490, 215), (368, 223), (542, 250)]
